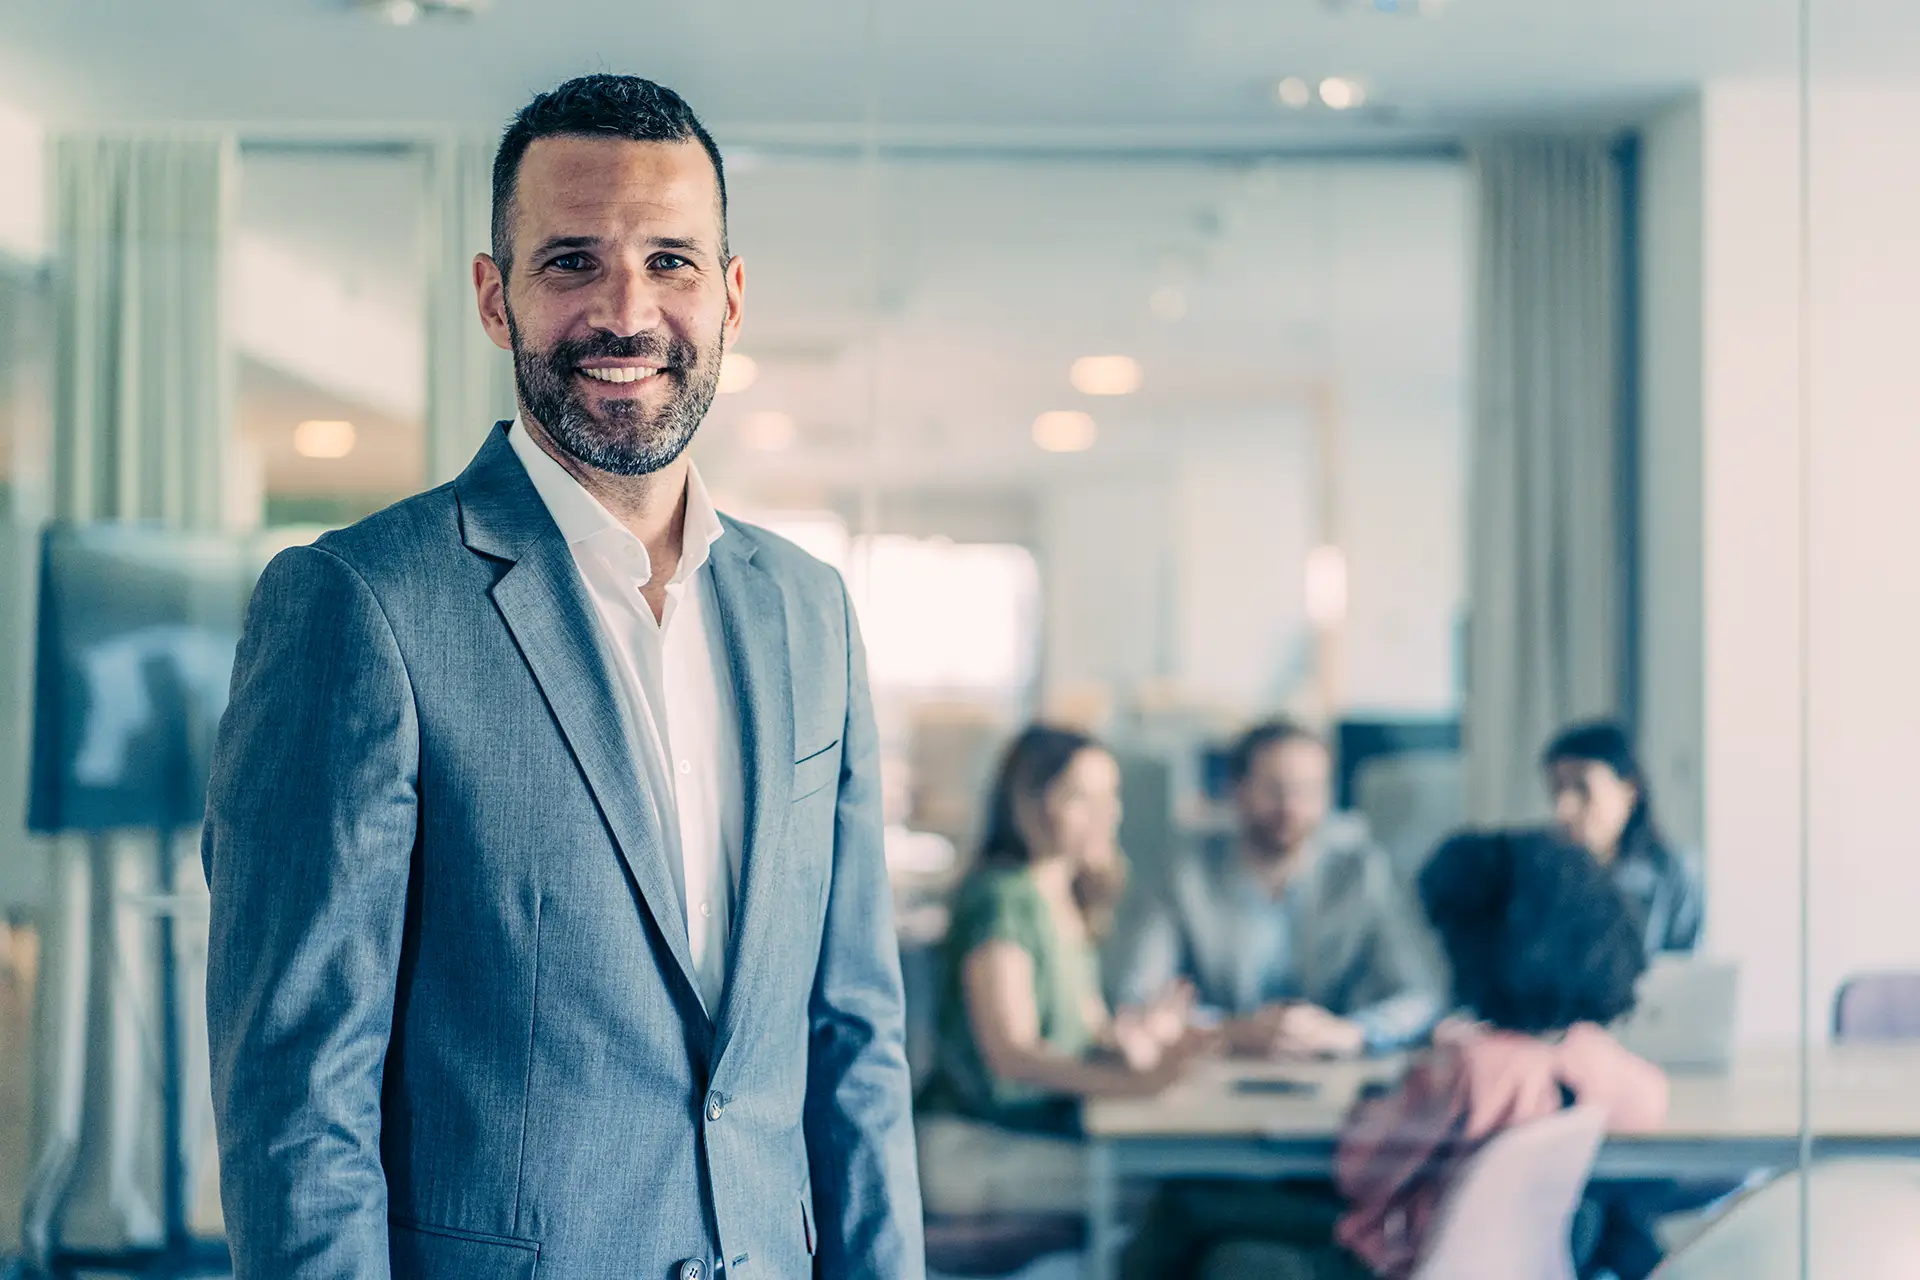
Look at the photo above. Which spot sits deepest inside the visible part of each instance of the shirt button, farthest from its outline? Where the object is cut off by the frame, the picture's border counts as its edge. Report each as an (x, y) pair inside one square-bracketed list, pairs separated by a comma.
[(686, 766), (692, 1270), (706, 910)]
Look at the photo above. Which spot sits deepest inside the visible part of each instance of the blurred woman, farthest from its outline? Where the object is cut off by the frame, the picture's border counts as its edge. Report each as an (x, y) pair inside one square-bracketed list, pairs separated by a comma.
[(1023, 1033), (1544, 955), (1601, 803)]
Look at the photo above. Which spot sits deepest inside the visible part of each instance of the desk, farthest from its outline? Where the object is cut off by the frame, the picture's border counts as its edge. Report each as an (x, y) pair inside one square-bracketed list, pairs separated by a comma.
[(1865, 1101)]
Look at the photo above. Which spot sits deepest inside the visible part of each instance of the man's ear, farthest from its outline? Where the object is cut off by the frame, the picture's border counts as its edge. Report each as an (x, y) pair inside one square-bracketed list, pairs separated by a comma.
[(490, 293)]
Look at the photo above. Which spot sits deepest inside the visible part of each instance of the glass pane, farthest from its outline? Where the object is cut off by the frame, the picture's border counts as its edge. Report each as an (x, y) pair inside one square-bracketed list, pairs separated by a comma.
[(1857, 444), (329, 330)]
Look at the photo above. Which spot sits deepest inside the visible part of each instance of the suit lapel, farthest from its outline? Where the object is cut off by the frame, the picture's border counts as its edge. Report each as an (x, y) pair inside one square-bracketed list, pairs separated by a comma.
[(753, 619), (545, 606)]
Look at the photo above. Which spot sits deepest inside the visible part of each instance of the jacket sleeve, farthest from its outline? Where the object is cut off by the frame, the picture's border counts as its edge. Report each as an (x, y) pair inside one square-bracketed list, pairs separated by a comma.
[(859, 1107), (310, 828), (1689, 905), (1407, 981), (1392, 1144), (1154, 956)]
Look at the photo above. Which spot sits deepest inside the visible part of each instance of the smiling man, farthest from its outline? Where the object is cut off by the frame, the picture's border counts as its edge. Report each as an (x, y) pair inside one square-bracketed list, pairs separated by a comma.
[(551, 931)]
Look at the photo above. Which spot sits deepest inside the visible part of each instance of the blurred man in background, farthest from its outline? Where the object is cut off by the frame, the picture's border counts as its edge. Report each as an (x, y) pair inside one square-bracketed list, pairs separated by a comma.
[(1294, 928)]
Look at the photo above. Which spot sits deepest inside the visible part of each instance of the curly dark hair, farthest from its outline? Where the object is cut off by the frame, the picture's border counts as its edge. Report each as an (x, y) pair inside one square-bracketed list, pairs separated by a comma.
[(606, 106), (1537, 935)]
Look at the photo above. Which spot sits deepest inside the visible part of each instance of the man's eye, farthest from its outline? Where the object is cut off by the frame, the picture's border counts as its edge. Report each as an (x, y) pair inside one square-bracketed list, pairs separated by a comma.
[(670, 262), (569, 262)]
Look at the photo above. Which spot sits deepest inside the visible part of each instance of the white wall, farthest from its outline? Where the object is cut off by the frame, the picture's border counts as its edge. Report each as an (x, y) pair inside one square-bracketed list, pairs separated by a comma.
[(1734, 154), (1243, 527), (1864, 650), (1751, 540), (1672, 721), (1195, 572), (1403, 524), (23, 189), (1105, 576)]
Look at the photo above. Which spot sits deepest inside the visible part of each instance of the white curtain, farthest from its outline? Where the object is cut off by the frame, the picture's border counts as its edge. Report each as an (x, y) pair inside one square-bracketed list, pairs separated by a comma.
[(469, 380), (142, 431), (143, 391), (1547, 557)]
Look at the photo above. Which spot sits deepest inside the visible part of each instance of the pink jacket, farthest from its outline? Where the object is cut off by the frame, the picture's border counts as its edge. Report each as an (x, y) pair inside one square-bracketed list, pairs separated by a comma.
[(1399, 1152)]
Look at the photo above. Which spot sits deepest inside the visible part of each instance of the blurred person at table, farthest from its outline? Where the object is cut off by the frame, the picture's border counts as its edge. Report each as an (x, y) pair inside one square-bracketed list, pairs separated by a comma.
[(1295, 927), (1544, 955), (1602, 803), (1023, 1033)]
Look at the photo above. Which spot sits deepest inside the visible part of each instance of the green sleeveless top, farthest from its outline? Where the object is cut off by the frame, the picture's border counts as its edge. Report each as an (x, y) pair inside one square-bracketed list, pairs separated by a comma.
[(1004, 904)]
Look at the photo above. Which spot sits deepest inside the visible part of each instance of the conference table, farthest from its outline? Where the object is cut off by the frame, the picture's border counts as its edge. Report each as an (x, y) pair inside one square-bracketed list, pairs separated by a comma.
[(1863, 1100)]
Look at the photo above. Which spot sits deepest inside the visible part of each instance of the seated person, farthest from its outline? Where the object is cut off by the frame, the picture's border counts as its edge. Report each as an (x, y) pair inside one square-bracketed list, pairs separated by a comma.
[(1544, 955), (1023, 1033), (1296, 927), (1601, 803)]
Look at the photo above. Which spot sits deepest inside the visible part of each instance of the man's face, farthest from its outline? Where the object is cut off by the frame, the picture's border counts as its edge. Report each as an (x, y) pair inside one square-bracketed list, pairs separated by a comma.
[(617, 304), (1286, 795)]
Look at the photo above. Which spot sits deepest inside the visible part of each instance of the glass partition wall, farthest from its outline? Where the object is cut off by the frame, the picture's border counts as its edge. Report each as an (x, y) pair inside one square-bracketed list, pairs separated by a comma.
[(1512, 371)]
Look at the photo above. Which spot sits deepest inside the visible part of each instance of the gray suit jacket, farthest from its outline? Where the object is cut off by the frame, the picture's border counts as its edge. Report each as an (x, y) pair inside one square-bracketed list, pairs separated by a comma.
[(454, 1023)]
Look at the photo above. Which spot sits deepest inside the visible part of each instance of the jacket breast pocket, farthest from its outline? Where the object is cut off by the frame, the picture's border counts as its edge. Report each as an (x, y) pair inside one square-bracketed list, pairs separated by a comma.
[(420, 1252), (817, 771)]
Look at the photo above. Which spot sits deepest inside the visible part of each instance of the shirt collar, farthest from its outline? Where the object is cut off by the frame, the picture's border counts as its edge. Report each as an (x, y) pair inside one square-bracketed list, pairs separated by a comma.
[(582, 519)]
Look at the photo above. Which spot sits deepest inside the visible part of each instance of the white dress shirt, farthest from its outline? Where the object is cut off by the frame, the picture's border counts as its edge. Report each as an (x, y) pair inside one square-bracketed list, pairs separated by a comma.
[(676, 690)]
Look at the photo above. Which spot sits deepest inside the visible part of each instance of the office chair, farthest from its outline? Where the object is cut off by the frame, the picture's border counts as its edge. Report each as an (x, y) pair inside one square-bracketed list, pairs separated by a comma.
[(1877, 1007), (1509, 1213)]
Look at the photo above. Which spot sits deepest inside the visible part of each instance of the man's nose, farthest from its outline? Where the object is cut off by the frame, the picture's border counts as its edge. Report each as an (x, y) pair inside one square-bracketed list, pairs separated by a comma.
[(626, 302)]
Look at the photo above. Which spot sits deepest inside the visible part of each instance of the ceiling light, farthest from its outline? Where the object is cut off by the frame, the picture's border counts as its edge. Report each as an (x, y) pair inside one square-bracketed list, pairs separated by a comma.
[(1340, 93), (737, 372), (1105, 375), (1295, 92), (404, 13), (769, 431), (1390, 8), (1168, 303), (323, 438), (1064, 431)]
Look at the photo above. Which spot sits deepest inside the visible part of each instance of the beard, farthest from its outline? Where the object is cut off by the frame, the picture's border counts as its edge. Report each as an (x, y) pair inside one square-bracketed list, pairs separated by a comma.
[(621, 438)]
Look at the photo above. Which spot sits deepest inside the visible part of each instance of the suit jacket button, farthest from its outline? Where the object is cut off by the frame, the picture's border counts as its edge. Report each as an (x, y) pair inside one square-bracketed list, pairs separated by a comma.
[(716, 1103), (692, 1270)]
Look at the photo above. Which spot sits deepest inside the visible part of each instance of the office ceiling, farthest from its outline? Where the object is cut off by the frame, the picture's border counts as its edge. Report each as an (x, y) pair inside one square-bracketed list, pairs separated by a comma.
[(1117, 70), (992, 272)]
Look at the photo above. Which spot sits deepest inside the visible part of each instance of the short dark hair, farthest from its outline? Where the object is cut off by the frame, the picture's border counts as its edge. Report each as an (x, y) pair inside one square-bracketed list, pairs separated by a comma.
[(1268, 733), (596, 106), (1536, 933)]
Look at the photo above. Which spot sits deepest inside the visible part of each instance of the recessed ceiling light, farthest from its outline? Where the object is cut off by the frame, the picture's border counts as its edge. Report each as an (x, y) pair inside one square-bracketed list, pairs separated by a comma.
[(323, 438), (769, 431), (737, 372), (1295, 92), (404, 13), (1105, 375), (1340, 93), (1064, 431), (1390, 8)]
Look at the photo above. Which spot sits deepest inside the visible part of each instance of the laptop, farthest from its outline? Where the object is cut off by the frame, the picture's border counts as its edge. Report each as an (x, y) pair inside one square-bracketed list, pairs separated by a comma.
[(1684, 1016)]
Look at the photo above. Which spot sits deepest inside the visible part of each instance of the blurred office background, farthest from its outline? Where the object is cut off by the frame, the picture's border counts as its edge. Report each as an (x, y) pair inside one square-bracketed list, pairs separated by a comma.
[(1434, 372)]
